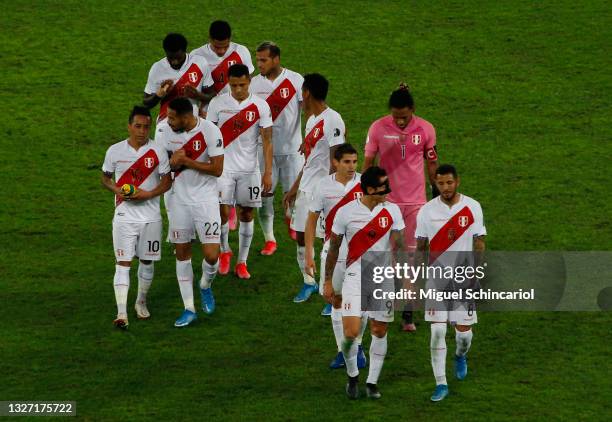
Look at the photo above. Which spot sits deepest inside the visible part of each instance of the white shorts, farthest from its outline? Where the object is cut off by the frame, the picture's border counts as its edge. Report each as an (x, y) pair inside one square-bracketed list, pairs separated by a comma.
[(285, 168), (137, 239), (242, 189), (376, 309), (461, 314), (299, 215), (204, 217), (337, 278)]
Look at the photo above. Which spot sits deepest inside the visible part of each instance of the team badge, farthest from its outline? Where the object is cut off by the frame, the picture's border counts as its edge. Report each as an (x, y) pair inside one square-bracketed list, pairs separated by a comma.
[(383, 222), (231, 63), (197, 145), (416, 139), (463, 220), (357, 195), (149, 162), (284, 92), (250, 116), (193, 77)]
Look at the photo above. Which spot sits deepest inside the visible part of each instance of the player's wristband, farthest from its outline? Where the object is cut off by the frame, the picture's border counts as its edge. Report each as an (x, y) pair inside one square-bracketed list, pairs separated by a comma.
[(434, 191)]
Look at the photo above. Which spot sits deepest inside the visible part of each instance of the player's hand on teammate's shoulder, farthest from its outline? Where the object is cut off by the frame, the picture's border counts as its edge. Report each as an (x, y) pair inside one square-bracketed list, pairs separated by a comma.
[(165, 87)]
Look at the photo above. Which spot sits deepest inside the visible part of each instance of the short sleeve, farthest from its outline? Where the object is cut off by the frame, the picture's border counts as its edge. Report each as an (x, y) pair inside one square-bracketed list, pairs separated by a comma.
[(421, 225), (265, 115), (109, 164), (316, 205), (207, 80), (479, 228), (299, 81), (430, 143), (164, 163), (153, 82), (212, 114), (398, 219), (371, 143), (336, 132), (340, 222), (214, 141), (245, 55)]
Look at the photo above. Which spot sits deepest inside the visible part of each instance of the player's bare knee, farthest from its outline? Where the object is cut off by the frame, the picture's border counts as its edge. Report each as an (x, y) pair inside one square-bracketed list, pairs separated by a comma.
[(378, 329), (183, 251), (224, 211), (144, 262), (463, 328), (299, 238), (337, 302), (124, 263), (246, 214)]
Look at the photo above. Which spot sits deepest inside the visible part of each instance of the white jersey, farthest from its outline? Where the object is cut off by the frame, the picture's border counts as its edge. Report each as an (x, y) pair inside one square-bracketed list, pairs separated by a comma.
[(195, 72), (142, 168), (365, 230), (284, 96), (322, 132), (200, 143), (329, 197), (240, 123), (450, 229), (218, 66)]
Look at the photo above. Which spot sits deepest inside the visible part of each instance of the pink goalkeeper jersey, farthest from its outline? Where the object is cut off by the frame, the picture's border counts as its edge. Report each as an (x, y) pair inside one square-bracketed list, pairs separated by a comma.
[(401, 153)]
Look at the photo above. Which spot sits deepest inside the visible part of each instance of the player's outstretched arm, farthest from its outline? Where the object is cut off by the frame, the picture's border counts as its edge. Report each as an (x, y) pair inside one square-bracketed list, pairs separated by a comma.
[(335, 241), (109, 183), (266, 178), (309, 236)]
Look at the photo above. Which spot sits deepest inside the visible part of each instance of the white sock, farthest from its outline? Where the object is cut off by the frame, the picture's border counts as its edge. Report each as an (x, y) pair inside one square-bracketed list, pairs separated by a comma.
[(438, 352), (301, 259), (364, 324), (378, 350), (184, 274), (145, 278), (464, 341), (225, 247), (245, 235), (121, 283), (209, 272), (336, 320), (266, 218), (349, 349)]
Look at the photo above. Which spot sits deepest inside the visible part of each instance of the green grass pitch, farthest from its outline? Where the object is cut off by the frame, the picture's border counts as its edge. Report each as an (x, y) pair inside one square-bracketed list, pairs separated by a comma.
[(520, 96)]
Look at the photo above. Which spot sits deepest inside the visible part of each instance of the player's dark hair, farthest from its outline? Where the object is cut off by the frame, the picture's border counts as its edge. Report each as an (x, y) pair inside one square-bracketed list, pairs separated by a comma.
[(175, 42), (344, 149), (447, 169), (317, 85), (238, 70), (181, 106), (220, 30), (371, 178), (401, 98), (272, 48), (139, 111)]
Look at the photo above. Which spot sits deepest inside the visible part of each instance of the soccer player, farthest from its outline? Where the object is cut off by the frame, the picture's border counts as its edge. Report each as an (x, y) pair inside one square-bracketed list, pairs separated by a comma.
[(177, 75), (242, 117), (449, 225), (137, 223), (325, 131), (404, 143), (332, 193), (367, 224), (282, 90), (197, 161), (221, 53)]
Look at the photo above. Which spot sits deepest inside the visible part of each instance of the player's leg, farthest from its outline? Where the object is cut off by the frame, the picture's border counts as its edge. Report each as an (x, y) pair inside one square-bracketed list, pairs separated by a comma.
[(227, 196), (291, 166), (298, 223), (181, 231), (438, 359), (208, 226), (409, 213), (378, 351), (351, 322), (149, 250), (464, 318), (125, 237), (266, 212), (248, 196)]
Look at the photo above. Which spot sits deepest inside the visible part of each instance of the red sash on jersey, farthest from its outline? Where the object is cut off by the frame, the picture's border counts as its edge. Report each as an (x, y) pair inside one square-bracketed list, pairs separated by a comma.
[(239, 123), (219, 73), (329, 219), (193, 77), (452, 230), (365, 238), (280, 97), (138, 172), (314, 136), (193, 149)]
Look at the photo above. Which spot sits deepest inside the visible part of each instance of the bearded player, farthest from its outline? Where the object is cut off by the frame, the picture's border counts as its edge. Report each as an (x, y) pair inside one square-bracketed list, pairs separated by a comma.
[(325, 131), (242, 118), (332, 193), (450, 226), (367, 224), (281, 88), (196, 149), (137, 223), (404, 144)]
